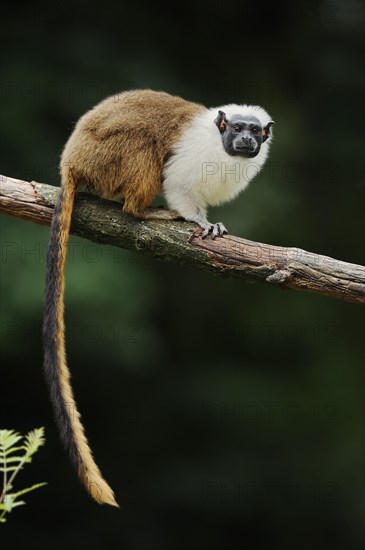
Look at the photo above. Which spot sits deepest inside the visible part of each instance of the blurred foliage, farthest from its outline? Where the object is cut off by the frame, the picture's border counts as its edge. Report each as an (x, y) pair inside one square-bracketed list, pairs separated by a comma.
[(218, 411), (11, 463)]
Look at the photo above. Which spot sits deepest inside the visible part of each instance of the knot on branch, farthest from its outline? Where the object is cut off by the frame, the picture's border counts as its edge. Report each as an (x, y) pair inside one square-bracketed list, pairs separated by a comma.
[(279, 277)]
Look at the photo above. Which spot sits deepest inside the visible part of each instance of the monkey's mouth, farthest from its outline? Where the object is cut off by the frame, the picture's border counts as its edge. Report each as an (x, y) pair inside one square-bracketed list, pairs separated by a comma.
[(244, 151)]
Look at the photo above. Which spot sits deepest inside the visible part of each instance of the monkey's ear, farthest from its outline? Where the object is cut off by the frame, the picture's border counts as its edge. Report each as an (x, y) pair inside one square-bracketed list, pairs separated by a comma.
[(221, 122), (266, 132)]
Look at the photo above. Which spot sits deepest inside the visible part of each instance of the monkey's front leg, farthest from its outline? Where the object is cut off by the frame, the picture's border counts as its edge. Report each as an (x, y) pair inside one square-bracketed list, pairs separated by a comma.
[(215, 229), (194, 212)]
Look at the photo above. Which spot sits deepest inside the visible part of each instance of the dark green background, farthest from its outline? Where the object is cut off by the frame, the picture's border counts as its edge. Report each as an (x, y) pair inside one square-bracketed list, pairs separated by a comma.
[(224, 415)]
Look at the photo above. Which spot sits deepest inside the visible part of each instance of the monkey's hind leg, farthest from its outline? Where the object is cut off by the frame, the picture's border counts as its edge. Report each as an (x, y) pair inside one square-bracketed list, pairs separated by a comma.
[(140, 191), (140, 210), (159, 213)]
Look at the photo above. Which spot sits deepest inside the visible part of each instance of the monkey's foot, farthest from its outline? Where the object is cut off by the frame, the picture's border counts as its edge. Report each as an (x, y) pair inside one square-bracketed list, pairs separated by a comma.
[(215, 230)]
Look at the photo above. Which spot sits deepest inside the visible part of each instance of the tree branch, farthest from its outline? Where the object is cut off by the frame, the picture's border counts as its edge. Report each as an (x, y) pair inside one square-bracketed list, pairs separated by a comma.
[(179, 242)]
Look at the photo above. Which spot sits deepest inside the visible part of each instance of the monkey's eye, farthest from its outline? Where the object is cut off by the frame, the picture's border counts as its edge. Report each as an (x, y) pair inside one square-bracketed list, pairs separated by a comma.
[(255, 130), (237, 128)]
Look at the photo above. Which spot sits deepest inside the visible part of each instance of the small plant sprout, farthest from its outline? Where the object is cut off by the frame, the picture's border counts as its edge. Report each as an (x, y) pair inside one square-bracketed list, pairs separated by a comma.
[(16, 451)]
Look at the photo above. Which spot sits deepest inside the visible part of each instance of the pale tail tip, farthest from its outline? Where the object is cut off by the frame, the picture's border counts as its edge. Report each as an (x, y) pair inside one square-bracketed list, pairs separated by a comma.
[(112, 502), (102, 493)]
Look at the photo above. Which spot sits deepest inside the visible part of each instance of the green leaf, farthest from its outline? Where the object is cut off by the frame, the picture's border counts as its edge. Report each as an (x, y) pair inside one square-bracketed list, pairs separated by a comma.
[(13, 450), (34, 440), (29, 489), (8, 502), (14, 459), (19, 503), (8, 438), (12, 462)]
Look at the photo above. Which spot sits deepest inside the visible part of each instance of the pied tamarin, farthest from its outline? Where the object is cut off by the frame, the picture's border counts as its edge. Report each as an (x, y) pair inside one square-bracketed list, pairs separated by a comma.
[(132, 146)]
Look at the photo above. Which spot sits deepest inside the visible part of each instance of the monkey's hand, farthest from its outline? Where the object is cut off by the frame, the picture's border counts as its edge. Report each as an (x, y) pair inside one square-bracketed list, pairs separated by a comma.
[(196, 213), (214, 229)]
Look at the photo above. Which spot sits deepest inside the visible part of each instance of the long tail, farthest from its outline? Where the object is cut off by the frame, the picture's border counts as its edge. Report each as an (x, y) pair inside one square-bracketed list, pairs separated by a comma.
[(55, 365)]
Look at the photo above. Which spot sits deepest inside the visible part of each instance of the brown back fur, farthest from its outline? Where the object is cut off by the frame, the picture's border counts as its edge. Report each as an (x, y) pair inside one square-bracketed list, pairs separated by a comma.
[(119, 147)]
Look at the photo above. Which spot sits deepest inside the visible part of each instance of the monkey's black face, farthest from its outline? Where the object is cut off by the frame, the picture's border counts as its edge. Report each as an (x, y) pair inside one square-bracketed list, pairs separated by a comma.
[(242, 135)]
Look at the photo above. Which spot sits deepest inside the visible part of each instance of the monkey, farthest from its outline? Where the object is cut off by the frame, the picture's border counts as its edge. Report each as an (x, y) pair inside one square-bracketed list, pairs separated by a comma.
[(133, 146)]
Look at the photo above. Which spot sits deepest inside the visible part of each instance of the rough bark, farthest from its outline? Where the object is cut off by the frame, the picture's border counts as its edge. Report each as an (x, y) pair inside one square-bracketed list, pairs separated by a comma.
[(179, 242)]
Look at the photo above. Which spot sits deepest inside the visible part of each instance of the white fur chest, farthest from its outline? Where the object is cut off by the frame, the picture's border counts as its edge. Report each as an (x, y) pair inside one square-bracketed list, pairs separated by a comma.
[(222, 179)]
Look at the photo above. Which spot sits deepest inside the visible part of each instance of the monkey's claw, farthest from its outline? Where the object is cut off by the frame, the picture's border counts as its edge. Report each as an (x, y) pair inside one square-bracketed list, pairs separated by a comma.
[(215, 229)]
